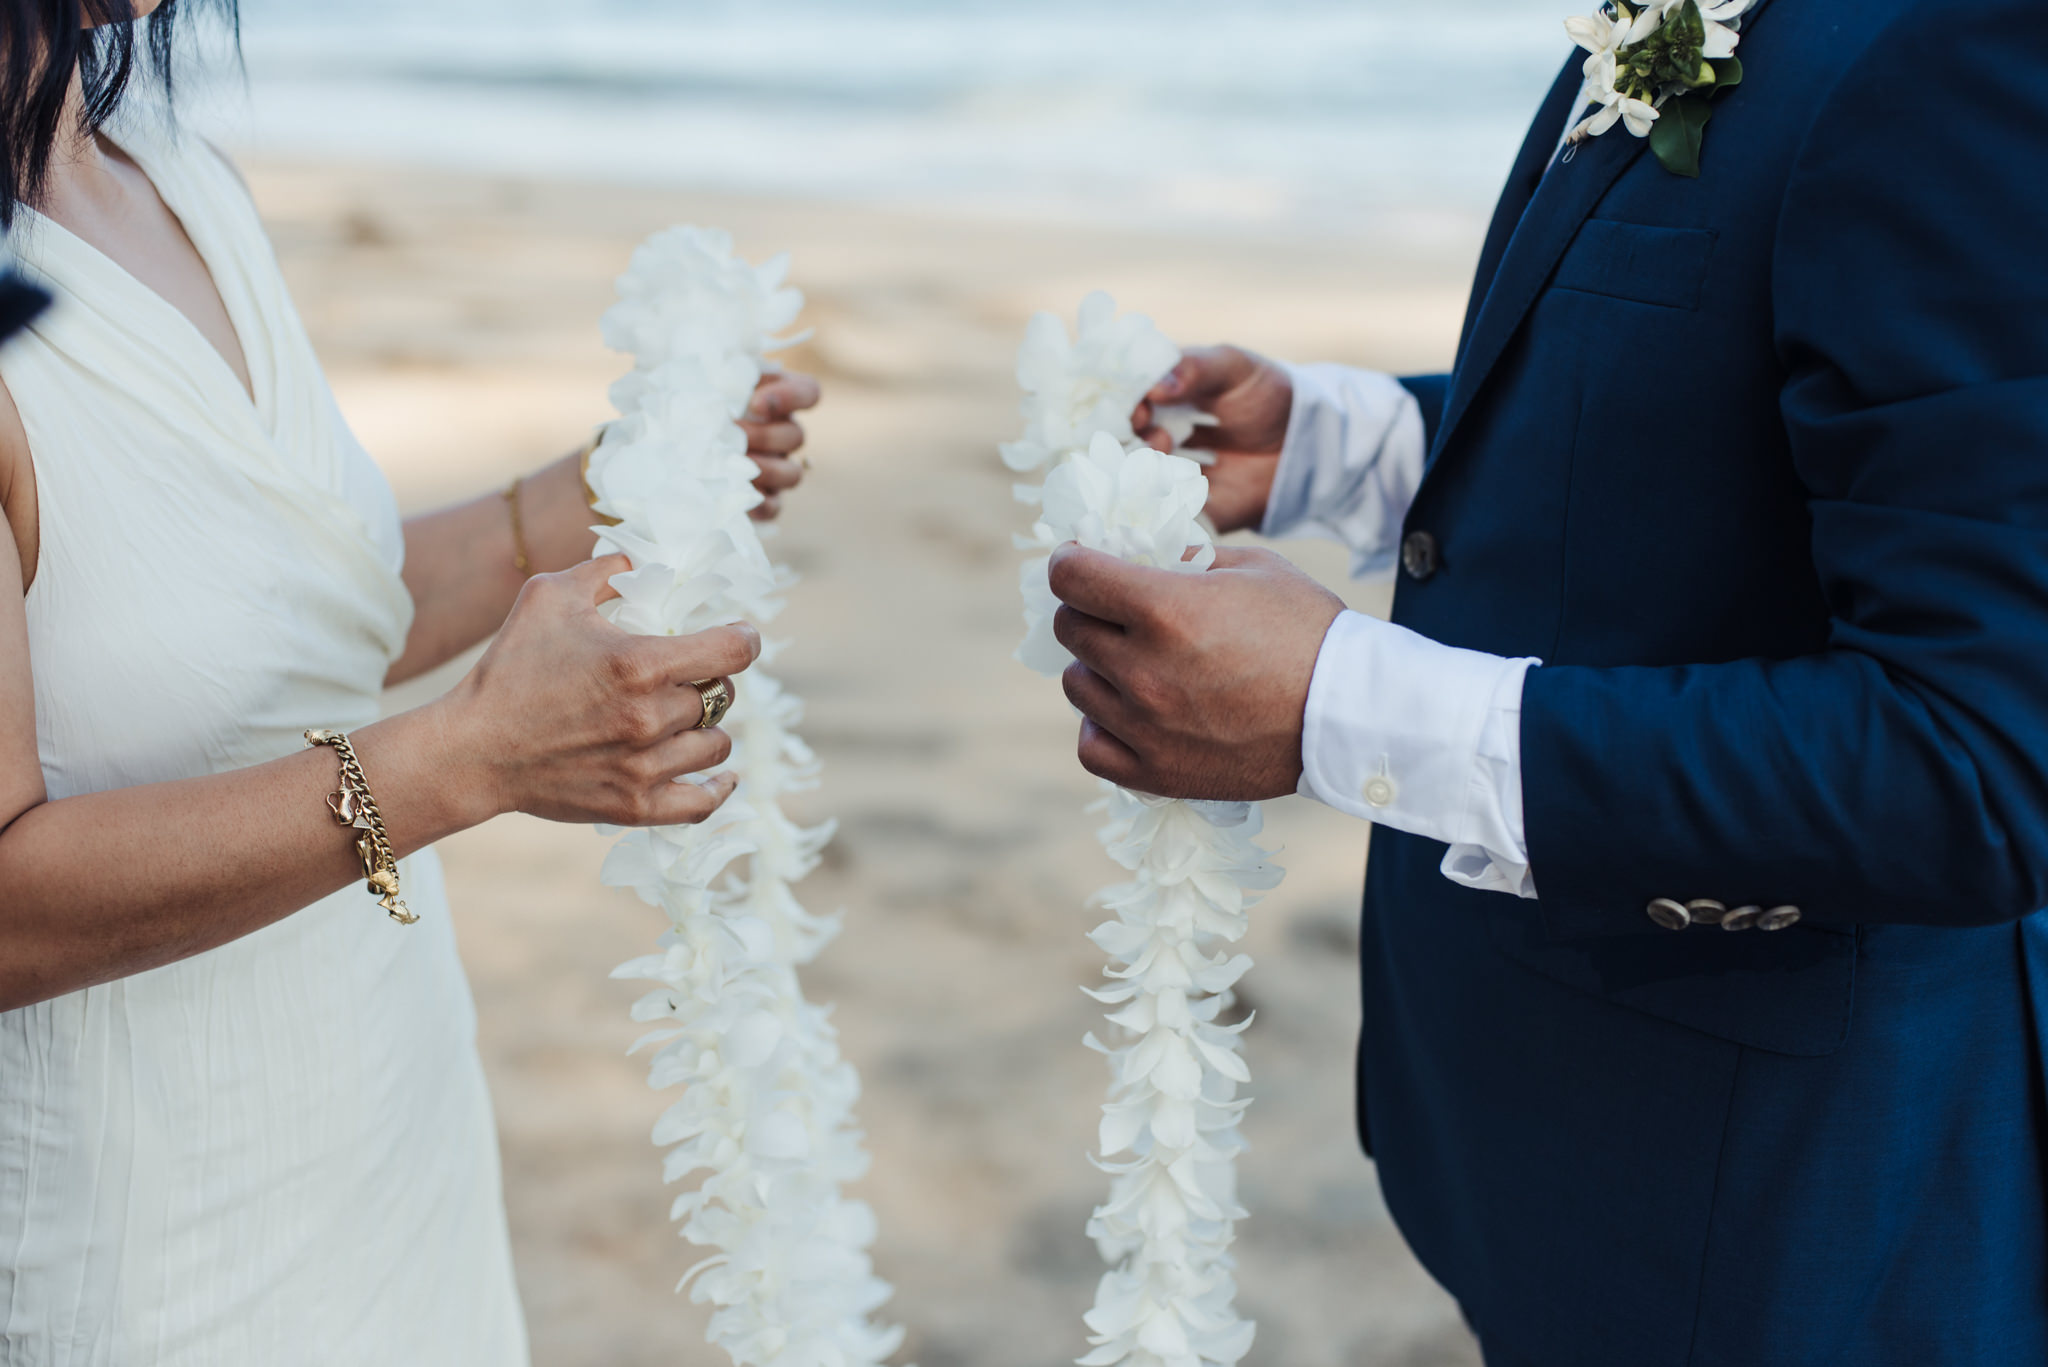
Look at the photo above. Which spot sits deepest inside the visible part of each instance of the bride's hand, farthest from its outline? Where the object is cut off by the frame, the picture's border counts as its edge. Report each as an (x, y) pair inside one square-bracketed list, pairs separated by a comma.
[(1251, 399), (569, 718), (774, 436)]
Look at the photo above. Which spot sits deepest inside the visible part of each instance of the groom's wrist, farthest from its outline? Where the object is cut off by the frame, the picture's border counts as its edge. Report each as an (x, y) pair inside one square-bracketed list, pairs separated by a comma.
[(1393, 728), (1288, 499)]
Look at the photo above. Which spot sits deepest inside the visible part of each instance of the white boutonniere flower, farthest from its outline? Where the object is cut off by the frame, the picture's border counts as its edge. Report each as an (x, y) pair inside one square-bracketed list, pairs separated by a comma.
[(1655, 67)]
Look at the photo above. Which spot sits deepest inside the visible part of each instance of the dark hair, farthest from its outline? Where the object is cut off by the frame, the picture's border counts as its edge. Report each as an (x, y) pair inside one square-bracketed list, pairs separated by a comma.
[(42, 42)]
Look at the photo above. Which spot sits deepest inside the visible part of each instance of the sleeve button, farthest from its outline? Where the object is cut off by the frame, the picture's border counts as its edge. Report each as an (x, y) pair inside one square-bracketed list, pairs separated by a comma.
[(1706, 911), (1778, 918), (1669, 914), (1420, 555), (1380, 791), (1742, 918)]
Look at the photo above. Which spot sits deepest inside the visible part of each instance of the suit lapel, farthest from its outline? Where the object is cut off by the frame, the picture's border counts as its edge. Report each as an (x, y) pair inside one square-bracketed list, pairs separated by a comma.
[(1563, 202), (1523, 249), (1523, 181)]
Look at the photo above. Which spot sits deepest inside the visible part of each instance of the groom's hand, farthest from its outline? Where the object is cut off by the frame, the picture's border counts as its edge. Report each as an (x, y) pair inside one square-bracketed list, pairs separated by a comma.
[(774, 436), (1251, 399), (1191, 685)]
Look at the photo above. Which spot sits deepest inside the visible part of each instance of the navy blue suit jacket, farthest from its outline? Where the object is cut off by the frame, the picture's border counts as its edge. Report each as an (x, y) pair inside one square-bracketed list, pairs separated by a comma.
[(1758, 464)]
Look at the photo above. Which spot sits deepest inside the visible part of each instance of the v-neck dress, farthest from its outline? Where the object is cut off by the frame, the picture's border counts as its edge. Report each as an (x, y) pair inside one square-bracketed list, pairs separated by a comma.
[(281, 1151)]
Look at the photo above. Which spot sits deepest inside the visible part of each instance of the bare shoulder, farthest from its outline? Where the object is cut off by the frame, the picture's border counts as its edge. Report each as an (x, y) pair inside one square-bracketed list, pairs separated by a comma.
[(21, 774), (17, 490)]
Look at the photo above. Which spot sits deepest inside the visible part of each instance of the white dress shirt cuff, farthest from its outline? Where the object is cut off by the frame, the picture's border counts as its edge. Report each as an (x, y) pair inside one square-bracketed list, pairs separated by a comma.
[(1351, 462), (1425, 738)]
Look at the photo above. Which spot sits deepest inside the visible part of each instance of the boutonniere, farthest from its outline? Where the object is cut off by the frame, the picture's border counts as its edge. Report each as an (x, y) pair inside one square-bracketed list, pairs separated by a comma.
[(1656, 68)]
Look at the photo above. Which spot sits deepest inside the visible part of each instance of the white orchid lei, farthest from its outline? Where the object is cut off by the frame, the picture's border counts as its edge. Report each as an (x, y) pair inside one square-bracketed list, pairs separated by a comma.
[(767, 1106), (1167, 1299), (1656, 67)]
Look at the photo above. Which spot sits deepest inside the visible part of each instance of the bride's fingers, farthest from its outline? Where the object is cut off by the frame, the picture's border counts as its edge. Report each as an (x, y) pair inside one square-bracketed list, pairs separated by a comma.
[(592, 580), (767, 510), (688, 802), (779, 474), (669, 667), (778, 396), (687, 752), (773, 438)]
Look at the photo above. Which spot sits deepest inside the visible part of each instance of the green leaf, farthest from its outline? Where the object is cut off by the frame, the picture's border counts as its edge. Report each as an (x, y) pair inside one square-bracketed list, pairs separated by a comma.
[(1679, 134), (1727, 73), (1689, 26)]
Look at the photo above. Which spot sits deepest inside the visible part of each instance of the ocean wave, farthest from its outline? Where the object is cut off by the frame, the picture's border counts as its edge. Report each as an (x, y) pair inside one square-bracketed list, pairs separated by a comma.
[(1298, 111)]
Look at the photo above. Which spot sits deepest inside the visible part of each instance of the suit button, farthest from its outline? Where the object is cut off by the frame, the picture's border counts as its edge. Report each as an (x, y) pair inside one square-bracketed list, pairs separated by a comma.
[(1706, 911), (1778, 918), (1419, 555), (1742, 918), (1669, 914)]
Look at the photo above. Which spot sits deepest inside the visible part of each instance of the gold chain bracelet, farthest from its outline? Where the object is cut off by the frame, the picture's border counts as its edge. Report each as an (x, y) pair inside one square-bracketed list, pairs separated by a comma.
[(356, 810)]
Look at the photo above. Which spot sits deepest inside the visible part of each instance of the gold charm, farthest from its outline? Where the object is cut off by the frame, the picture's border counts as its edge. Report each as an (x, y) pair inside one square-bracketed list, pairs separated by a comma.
[(366, 850), (354, 808)]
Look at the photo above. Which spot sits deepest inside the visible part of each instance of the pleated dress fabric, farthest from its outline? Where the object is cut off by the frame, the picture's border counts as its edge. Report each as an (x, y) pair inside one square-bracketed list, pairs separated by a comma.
[(281, 1151)]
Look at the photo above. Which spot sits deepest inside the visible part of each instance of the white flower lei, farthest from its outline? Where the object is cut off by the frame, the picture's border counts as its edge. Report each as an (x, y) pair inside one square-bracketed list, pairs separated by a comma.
[(767, 1104), (1166, 1229)]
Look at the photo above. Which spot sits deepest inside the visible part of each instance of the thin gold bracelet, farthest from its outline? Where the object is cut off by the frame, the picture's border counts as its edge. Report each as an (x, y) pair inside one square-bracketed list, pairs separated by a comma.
[(583, 464), (521, 561), (354, 809)]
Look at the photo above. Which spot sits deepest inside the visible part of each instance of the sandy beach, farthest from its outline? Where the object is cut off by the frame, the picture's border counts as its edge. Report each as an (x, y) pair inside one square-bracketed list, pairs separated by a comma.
[(458, 318)]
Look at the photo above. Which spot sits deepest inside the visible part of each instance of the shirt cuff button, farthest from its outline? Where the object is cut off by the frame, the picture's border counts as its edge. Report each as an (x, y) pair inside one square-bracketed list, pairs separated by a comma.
[(1380, 791)]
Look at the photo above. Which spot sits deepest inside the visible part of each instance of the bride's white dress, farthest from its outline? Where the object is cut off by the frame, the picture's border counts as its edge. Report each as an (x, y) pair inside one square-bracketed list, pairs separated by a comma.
[(280, 1152)]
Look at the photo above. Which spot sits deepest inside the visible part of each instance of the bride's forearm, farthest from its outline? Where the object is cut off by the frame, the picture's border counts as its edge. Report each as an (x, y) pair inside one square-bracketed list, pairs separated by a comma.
[(103, 886), (461, 563)]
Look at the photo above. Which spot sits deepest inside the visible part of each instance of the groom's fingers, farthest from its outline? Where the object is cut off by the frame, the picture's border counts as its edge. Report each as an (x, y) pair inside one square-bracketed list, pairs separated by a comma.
[(1104, 756), (1094, 642), (1105, 587), (1097, 699), (1201, 375), (1158, 438), (1208, 439)]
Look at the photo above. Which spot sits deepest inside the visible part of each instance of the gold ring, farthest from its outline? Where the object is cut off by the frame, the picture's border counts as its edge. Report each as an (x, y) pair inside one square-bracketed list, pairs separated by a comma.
[(717, 701)]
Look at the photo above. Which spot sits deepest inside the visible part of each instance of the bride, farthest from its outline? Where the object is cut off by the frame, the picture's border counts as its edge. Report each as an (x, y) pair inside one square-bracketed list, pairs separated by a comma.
[(242, 1119)]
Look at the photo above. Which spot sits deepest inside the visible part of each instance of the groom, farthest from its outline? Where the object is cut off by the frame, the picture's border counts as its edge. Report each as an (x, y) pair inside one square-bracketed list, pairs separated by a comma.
[(1704, 1001)]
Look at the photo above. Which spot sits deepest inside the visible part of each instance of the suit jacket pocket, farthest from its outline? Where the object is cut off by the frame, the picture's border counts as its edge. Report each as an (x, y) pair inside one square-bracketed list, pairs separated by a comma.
[(1788, 992), (1634, 261)]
